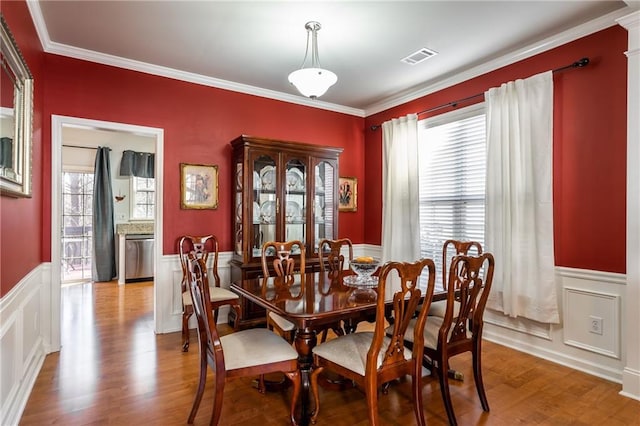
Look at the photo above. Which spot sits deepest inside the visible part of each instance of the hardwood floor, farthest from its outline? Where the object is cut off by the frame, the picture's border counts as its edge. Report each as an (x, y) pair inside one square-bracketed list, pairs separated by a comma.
[(113, 370)]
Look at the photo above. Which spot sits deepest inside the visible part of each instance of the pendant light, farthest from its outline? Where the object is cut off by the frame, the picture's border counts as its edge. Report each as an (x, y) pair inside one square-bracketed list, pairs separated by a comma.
[(313, 81)]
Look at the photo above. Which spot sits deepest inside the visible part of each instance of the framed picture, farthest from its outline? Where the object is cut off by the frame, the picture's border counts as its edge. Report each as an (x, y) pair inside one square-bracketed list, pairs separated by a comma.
[(347, 194), (198, 186)]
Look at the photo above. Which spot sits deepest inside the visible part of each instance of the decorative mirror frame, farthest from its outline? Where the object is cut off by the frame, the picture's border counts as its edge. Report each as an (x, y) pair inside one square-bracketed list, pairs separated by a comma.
[(15, 181)]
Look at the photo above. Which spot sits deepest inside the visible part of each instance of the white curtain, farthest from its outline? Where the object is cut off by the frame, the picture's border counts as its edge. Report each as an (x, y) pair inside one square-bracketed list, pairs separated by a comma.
[(400, 192), (519, 208)]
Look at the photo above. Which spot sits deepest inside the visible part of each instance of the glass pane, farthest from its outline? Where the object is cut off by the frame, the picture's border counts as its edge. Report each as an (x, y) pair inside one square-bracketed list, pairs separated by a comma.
[(295, 206), (324, 202), (76, 247), (265, 204)]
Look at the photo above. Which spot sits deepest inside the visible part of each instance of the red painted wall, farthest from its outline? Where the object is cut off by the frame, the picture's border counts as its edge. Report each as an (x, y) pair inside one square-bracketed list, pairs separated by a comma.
[(21, 218), (198, 122), (589, 162), (589, 147)]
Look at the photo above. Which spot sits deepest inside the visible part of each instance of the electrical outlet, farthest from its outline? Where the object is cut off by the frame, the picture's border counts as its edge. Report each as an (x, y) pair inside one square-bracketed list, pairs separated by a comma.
[(595, 325)]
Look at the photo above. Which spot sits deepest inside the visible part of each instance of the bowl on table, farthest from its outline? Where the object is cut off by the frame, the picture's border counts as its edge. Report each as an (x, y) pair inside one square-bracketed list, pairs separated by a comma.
[(363, 282), (364, 267)]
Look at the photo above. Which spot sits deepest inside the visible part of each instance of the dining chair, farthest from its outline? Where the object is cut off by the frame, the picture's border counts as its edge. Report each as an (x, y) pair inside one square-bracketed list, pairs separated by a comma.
[(372, 358), (201, 247), (239, 354), (330, 254), (469, 284), (452, 248), (332, 260), (279, 255)]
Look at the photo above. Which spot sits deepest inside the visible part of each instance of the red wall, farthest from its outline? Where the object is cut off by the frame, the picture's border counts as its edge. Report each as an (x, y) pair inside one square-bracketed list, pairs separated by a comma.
[(589, 147), (198, 122), (21, 234), (589, 138)]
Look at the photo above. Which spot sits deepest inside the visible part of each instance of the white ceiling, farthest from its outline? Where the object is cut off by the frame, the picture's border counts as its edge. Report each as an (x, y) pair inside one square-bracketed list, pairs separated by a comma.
[(251, 47)]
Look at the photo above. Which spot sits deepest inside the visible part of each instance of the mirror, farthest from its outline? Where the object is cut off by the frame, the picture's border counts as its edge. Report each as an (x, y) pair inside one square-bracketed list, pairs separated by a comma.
[(16, 112)]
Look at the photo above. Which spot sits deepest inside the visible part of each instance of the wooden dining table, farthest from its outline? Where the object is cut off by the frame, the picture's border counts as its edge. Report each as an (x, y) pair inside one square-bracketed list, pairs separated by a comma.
[(312, 301)]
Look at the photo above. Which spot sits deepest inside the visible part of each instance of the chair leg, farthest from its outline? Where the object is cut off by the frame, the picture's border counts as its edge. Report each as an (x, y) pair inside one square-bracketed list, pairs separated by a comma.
[(371, 393), (185, 330), (477, 376), (236, 307), (417, 394), (314, 391), (220, 378), (294, 376), (200, 391), (444, 389)]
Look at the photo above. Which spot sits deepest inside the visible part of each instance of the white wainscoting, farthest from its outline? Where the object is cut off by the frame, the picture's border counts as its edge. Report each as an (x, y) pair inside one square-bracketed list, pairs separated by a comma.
[(22, 341), (581, 295)]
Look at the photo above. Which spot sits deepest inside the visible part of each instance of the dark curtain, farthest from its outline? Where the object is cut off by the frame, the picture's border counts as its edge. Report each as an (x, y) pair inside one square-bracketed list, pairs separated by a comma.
[(139, 164), (6, 153), (104, 247)]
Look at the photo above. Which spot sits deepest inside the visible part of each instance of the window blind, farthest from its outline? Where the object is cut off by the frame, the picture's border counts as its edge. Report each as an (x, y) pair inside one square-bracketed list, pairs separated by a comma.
[(452, 163)]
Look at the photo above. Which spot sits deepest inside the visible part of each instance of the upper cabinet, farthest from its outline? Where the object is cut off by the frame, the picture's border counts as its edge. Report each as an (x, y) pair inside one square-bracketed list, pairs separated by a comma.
[(282, 191)]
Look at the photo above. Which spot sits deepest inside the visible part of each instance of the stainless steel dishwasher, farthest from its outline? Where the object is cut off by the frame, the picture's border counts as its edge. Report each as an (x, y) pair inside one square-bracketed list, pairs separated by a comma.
[(138, 257)]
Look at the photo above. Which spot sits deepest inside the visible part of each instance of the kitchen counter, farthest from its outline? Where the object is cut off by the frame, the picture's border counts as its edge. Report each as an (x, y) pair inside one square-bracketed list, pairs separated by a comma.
[(134, 228), (124, 229)]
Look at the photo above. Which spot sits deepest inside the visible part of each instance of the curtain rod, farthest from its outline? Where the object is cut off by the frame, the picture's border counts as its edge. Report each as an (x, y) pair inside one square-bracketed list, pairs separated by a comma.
[(577, 64), (82, 147)]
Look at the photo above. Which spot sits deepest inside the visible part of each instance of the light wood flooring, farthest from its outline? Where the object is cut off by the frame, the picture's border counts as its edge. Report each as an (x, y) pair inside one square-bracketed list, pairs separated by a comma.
[(113, 370)]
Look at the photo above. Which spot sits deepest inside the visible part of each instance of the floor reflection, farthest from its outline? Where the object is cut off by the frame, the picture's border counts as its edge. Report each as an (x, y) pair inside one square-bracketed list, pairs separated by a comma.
[(97, 312)]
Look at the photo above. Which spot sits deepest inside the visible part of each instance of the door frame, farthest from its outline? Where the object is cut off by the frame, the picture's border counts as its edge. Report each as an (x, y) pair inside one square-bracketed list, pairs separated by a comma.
[(57, 124)]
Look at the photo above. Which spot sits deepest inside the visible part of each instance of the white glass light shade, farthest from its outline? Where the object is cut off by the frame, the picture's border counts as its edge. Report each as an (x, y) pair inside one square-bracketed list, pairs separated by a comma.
[(312, 82)]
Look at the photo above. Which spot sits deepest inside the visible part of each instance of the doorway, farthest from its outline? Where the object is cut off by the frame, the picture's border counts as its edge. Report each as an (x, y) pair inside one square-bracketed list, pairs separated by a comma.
[(60, 125)]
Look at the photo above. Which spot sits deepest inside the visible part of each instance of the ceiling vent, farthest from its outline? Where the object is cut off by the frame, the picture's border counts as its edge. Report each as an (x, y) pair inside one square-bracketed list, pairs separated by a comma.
[(419, 56)]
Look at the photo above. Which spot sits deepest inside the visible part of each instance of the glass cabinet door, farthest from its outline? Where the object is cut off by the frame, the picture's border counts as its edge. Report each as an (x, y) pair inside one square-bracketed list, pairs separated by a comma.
[(295, 201), (324, 203), (265, 203), (237, 219)]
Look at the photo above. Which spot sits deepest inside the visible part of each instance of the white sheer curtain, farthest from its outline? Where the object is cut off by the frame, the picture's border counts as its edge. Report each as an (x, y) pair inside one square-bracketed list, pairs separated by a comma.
[(400, 192), (519, 208)]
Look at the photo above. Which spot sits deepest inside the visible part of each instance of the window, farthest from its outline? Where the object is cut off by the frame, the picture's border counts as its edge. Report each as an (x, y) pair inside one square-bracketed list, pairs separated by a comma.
[(77, 217), (144, 194), (452, 180)]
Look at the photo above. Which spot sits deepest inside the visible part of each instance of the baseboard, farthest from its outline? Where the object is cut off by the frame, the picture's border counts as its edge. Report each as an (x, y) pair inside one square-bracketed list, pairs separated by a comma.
[(593, 368)]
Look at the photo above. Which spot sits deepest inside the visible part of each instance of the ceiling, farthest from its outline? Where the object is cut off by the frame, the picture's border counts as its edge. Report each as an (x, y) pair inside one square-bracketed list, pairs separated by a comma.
[(251, 47)]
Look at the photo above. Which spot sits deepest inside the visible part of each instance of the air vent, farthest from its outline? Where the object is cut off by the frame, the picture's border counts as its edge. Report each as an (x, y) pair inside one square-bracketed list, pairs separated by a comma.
[(419, 56)]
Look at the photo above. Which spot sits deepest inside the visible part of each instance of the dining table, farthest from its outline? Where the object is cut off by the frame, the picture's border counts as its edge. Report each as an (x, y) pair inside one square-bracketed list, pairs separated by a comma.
[(313, 301)]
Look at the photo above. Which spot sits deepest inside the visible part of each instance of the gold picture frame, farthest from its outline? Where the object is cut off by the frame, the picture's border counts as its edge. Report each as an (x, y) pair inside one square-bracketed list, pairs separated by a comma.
[(347, 194), (198, 186)]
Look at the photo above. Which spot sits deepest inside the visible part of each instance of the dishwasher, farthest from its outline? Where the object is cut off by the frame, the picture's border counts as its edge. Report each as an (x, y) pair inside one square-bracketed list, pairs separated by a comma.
[(138, 257)]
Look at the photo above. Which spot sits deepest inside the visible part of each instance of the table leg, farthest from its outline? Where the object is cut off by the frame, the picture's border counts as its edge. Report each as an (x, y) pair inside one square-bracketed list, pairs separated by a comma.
[(305, 341)]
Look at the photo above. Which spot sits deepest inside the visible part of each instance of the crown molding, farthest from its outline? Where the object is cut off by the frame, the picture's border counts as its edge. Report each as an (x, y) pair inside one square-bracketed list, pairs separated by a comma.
[(575, 33), (544, 45), (116, 61)]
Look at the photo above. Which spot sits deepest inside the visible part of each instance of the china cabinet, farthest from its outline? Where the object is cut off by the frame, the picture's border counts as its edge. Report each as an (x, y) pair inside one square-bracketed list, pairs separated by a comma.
[(282, 191)]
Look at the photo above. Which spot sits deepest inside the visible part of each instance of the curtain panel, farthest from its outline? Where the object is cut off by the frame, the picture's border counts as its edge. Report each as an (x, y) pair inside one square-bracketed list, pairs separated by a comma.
[(519, 195), (104, 248), (400, 192)]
